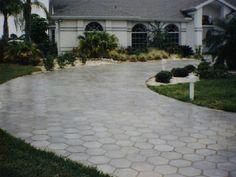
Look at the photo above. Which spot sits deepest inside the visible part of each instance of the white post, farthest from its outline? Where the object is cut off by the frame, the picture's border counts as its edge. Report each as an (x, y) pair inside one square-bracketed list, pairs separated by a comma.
[(192, 79), (191, 91)]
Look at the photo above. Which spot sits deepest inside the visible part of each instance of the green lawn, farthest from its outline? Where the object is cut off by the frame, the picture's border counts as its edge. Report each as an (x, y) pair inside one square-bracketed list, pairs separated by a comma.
[(217, 94), (11, 71), (19, 159)]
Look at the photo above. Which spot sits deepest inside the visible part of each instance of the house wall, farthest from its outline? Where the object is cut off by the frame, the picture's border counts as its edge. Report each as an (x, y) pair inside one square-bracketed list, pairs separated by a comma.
[(192, 32), (68, 31)]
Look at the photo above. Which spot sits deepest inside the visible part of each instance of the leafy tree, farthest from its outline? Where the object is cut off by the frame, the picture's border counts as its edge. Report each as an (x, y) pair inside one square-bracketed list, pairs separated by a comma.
[(221, 41), (39, 27), (8, 8)]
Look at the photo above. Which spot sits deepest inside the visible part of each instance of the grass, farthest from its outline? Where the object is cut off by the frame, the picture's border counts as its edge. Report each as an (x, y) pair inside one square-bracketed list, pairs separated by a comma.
[(20, 159), (11, 71), (217, 93)]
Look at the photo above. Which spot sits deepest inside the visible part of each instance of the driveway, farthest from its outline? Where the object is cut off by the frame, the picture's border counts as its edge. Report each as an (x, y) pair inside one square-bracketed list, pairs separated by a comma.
[(105, 116)]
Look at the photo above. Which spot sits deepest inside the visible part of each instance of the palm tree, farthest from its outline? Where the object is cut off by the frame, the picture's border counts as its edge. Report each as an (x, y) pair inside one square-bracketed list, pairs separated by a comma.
[(8, 8), (221, 41), (26, 12)]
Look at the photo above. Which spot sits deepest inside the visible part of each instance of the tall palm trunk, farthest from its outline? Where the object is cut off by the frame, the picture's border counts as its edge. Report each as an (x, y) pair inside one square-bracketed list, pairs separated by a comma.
[(27, 16), (5, 27)]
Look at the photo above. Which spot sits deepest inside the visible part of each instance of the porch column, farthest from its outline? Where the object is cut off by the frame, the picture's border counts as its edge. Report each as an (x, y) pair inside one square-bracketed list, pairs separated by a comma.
[(198, 30), (183, 34), (58, 27)]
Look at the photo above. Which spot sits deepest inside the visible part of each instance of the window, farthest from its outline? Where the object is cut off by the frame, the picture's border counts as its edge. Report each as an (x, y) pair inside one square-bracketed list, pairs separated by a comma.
[(207, 20), (93, 26), (139, 36), (172, 34)]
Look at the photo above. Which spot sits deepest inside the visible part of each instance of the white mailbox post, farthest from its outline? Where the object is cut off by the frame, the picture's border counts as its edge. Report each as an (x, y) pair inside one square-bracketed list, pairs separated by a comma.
[(192, 79)]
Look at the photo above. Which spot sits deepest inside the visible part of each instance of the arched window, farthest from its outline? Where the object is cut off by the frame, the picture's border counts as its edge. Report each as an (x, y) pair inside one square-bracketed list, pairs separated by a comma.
[(94, 26), (172, 34), (139, 36)]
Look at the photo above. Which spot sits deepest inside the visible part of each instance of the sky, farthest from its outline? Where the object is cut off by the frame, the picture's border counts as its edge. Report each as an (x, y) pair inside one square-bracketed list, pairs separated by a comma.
[(12, 28)]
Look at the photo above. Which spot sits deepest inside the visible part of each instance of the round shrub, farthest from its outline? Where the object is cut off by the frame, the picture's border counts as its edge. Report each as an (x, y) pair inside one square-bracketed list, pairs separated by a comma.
[(190, 68), (179, 72), (163, 77)]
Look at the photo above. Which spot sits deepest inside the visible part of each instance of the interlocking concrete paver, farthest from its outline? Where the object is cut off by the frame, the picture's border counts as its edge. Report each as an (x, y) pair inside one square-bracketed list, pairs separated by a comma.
[(120, 163), (142, 166), (189, 171), (126, 172), (166, 169), (105, 116)]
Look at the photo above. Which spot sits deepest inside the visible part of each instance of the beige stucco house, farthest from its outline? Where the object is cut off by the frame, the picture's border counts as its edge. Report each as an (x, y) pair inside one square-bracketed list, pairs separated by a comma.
[(187, 21)]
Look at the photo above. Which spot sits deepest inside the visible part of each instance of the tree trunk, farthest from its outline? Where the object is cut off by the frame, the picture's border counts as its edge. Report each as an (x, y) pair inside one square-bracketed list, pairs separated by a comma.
[(5, 27), (27, 16)]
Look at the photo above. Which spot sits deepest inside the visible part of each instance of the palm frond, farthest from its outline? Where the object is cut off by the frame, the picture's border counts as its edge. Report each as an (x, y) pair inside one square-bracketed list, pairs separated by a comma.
[(40, 5)]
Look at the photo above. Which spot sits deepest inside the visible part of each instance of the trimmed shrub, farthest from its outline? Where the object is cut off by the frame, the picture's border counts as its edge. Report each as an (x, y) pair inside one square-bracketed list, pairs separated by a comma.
[(48, 62), (179, 72), (163, 77), (190, 68), (24, 53)]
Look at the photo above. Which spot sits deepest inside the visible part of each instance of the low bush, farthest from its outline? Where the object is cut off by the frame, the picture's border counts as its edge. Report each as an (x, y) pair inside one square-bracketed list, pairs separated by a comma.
[(66, 58), (156, 54), (190, 68), (115, 55), (185, 51), (142, 57), (206, 71), (198, 52), (137, 51), (179, 72), (48, 62), (2, 49), (163, 77), (132, 58), (24, 53)]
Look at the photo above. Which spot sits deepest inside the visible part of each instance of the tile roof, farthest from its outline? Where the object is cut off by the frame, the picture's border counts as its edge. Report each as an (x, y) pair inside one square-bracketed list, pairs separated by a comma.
[(162, 10)]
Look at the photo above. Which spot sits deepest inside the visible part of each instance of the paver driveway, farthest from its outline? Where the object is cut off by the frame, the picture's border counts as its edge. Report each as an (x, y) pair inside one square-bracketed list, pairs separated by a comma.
[(105, 116)]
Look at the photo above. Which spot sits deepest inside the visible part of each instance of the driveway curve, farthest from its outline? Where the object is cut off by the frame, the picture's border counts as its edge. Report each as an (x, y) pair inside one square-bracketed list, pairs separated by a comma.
[(105, 116)]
